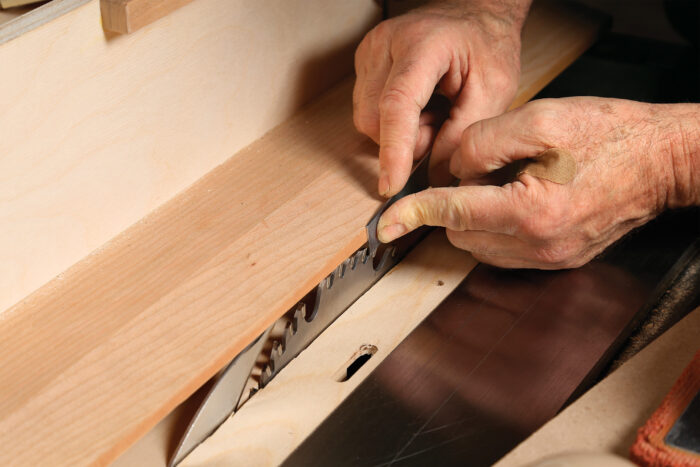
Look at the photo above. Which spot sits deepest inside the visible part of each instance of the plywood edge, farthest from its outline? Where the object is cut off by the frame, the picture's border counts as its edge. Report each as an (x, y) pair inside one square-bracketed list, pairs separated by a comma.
[(37, 17)]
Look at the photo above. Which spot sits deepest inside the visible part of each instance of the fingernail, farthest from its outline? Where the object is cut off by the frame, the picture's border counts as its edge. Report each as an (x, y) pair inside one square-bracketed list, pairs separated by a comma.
[(391, 232), (383, 186), (455, 165)]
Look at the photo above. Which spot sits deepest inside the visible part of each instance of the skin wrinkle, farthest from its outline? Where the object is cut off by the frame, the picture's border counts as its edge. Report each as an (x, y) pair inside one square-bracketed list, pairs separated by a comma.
[(470, 48), (633, 159)]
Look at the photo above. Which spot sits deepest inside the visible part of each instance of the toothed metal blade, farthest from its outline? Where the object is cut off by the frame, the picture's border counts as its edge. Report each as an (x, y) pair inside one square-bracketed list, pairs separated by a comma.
[(334, 295), (221, 400)]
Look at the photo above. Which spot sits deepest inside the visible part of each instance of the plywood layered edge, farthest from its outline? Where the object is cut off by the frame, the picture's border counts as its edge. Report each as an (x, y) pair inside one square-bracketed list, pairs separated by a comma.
[(108, 348)]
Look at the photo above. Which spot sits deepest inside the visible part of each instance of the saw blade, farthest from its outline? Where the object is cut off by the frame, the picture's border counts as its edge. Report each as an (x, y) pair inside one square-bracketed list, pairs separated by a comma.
[(334, 295), (221, 401)]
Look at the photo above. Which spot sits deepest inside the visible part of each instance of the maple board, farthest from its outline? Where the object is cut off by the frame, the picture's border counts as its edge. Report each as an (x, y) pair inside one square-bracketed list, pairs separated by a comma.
[(104, 351)]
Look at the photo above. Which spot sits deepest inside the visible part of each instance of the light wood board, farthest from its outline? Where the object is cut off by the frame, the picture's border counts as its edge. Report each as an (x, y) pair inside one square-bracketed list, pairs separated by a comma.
[(107, 349), (125, 16), (280, 417), (99, 130), (606, 418)]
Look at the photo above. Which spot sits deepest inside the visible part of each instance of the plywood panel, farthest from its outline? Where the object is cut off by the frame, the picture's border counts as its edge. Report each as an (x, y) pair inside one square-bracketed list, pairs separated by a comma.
[(99, 130)]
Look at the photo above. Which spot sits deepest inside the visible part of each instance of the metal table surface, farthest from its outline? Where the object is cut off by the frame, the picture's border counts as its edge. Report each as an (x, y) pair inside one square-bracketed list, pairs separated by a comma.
[(507, 350)]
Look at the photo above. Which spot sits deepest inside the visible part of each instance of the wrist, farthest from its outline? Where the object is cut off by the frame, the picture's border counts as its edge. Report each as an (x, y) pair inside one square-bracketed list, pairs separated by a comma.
[(681, 142), (505, 17)]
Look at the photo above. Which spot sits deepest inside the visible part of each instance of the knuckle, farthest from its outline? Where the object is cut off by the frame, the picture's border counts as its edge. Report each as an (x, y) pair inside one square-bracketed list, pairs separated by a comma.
[(392, 98), (382, 30), (456, 212), (555, 253), (542, 115)]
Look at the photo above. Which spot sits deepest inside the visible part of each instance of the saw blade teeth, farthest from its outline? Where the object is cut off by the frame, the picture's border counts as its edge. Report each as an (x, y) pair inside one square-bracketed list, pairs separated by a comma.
[(265, 376), (355, 274), (277, 348), (364, 255), (299, 315), (289, 330)]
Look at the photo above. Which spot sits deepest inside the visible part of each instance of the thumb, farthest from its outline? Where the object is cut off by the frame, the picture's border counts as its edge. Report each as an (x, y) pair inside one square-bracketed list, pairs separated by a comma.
[(491, 144), (487, 208)]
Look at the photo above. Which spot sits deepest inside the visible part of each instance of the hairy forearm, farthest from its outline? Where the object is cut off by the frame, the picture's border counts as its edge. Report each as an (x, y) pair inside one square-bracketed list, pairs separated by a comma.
[(682, 133), (505, 13)]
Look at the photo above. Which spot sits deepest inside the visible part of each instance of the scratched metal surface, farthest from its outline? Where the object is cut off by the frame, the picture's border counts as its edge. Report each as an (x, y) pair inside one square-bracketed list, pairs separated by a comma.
[(498, 358)]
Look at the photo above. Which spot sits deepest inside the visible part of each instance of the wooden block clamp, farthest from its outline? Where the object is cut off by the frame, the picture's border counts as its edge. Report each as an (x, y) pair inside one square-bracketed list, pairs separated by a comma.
[(125, 16)]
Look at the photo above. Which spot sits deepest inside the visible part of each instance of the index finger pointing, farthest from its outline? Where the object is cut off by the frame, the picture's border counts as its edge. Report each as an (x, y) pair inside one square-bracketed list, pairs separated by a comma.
[(406, 93)]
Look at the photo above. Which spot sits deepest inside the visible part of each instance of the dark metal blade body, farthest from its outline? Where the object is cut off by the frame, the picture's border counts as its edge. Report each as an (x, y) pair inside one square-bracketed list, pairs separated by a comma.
[(418, 181)]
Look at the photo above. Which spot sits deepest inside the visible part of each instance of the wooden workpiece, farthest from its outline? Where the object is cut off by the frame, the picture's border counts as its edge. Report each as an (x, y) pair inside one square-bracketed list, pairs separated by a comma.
[(99, 355), (125, 16)]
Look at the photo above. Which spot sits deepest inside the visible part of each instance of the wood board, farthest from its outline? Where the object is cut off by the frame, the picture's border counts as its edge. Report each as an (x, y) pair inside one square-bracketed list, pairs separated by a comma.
[(125, 16), (104, 351), (280, 416), (99, 130)]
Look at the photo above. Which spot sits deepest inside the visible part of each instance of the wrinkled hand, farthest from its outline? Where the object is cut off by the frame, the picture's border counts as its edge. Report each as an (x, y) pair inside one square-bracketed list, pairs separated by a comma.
[(626, 174), (470, 49)]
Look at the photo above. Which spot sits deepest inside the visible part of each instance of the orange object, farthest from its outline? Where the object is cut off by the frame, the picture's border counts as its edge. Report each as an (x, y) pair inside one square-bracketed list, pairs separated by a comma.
[(650, 448)]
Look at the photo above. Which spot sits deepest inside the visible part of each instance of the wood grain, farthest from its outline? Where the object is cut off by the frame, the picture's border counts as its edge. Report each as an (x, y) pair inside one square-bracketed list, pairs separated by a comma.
[(104, 351), (280, 417), (125, 16), (98, 131), (563, 31)]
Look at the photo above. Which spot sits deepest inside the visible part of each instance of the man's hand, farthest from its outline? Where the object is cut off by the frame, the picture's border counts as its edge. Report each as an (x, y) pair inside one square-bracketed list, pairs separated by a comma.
[(633, 160), (471, 49)]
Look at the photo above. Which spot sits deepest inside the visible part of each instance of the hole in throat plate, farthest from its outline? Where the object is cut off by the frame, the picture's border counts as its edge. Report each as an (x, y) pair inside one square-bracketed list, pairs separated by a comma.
[(355, 363)]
